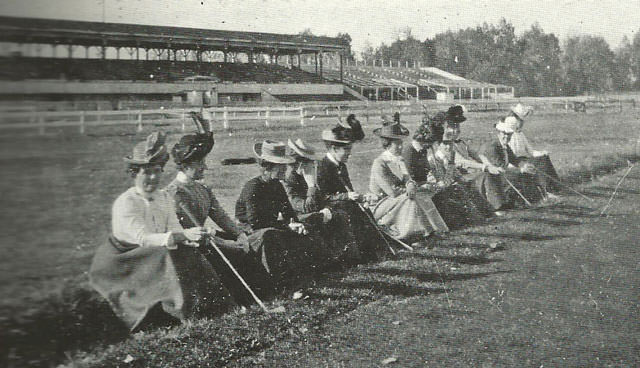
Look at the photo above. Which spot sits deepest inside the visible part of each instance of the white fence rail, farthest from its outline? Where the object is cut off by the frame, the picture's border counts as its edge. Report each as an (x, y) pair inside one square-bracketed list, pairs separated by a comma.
[(83, 119), (41, 120)]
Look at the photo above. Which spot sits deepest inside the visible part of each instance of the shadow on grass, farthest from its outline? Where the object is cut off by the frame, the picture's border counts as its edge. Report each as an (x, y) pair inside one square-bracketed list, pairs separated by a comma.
[(432, 276), (387, 288), (461, 259), (551, 222), (521, 236)]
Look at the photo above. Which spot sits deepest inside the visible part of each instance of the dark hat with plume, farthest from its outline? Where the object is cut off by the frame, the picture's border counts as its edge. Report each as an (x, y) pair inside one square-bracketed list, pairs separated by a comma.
[(194, 147), (345, 133)]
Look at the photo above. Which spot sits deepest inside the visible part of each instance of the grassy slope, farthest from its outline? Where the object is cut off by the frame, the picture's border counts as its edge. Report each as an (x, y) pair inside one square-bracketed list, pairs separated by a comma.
[(56, 178)]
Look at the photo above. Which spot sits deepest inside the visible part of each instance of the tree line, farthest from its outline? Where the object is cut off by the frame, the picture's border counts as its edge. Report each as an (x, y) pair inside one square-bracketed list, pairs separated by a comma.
[(535, 63)]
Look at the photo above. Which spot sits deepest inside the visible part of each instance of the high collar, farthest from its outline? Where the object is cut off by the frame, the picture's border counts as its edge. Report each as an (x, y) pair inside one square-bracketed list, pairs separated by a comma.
[(183, 178), (332, 158), (416, 146), (145, 197)]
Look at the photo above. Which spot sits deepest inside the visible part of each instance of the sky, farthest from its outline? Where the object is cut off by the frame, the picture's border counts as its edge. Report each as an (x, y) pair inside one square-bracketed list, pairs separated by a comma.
[(372, 21)]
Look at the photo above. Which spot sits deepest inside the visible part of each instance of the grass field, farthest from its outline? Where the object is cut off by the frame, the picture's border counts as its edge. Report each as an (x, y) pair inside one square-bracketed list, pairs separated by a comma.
[(58, 191)]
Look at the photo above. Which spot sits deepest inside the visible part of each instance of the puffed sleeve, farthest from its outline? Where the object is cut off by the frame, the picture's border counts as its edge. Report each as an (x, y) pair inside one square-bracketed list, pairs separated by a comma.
[(129, 225)]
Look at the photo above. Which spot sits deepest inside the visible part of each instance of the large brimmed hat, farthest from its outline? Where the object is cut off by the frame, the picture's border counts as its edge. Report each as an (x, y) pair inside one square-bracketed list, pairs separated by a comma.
[(194, 147), (150, 152), (505, 127), (455, 114), (521, 111), (274, 152), (344, 133), (303, 150)]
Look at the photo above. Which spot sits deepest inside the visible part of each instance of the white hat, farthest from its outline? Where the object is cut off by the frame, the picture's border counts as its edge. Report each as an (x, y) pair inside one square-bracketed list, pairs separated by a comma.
[(521, 111), (505, 127)]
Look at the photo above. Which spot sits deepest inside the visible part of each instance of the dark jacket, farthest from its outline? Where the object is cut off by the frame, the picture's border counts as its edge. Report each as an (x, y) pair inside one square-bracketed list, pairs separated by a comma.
[(333, 180), (303, 199), (260, 203), (416, 162), (499, 156)]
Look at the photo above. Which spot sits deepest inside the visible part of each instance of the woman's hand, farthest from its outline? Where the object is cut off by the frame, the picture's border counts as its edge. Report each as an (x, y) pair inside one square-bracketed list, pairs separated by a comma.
[(494, 170), (412, 189), (298, 228), (194, 233), (354, 196)]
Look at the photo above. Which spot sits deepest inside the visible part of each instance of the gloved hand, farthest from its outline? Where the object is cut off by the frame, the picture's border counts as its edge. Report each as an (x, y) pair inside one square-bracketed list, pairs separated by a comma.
[(326, 215)]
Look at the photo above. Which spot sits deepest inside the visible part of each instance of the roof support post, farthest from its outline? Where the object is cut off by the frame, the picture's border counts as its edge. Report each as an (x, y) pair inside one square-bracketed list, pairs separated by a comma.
[(321, 57), (341, 57), (316, 57), (86, 52), (117, 53), (250, 56), (70, 46)]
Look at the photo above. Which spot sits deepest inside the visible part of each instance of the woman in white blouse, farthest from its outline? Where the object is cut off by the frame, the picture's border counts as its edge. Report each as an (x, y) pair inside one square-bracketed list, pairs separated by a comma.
[(519, 144), (150, 259)]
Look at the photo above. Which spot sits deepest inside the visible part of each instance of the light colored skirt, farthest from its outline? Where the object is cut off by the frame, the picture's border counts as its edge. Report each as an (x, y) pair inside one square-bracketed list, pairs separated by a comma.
[(409, 219)]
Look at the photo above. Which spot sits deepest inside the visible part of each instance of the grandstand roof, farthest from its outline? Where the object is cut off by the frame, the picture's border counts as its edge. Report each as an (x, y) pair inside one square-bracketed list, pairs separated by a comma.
[(53, 31)]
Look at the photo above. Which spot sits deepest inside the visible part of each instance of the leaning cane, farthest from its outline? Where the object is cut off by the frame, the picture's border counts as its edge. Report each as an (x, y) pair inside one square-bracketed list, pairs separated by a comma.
[(279, 309), (561, 183), (382, 233), (517, 191)]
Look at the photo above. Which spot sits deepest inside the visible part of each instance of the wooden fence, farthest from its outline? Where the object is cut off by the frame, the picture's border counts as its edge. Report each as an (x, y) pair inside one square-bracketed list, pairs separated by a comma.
[(365, 110)]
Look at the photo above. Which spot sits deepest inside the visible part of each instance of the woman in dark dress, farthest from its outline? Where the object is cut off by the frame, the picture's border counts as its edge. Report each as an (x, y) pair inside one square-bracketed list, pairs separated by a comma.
[(278, 240)]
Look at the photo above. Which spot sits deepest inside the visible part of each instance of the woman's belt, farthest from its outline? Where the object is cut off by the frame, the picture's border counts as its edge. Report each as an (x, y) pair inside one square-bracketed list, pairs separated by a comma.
[(121, 246)]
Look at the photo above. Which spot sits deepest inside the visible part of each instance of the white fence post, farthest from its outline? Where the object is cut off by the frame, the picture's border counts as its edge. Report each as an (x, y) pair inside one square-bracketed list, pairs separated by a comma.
[(302, 116), (139, 122), (267, 114), (225, 117), (82, 123)]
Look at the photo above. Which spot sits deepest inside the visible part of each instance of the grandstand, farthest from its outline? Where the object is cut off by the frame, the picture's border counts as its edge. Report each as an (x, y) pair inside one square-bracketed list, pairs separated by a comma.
[(396, 83), (196, 66), (159, 62)]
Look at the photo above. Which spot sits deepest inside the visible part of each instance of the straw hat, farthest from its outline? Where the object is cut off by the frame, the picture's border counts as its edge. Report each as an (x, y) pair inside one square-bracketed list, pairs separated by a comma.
[(505, 127), (150, 152), (274, 152), (521, 111), (303, 150)]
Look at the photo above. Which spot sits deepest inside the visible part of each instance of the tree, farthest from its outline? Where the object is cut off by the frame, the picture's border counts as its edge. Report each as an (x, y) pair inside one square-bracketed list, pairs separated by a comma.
[(588, 65), (539, 72), (623, 66)]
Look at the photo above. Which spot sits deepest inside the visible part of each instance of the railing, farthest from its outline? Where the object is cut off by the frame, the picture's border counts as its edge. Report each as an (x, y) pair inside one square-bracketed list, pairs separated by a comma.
[(298, 112), (84, 119)]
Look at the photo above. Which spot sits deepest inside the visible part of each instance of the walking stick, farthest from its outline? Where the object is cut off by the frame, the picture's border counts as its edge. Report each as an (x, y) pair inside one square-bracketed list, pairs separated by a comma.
[(517, 191), (279, 309), (375, 225), (604, 209), (561, 183)]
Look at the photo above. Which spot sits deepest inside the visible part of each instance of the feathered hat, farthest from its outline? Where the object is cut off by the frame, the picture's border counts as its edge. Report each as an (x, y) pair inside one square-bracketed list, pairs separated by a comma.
[(194, 147), (345, 133), (150, 152)]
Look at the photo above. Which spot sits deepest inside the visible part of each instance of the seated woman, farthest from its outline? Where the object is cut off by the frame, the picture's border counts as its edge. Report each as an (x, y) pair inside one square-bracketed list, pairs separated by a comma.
[(509, 179), (277, 239), (195, 202), (522, 149), (407, 212), (149, 258), (362, 240), (448, 167)]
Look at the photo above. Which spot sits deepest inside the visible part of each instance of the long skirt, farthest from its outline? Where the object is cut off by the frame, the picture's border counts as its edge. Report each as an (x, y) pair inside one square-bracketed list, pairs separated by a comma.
[(135, 279), (460, 205), (500, 195), (247, 266), (352, 236), (283, 254), (547, 177), (409, 219)]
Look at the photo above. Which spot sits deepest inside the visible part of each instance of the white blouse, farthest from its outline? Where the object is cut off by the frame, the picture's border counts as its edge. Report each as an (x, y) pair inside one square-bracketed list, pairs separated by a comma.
[(145, 222)]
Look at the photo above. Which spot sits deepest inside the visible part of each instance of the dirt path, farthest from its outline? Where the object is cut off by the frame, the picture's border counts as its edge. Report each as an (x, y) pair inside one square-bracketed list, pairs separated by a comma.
[(560, 290)]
